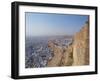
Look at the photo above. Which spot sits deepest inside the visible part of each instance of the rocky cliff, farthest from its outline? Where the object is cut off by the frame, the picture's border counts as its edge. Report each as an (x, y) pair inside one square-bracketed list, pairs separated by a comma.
[(75, 53), (57, 54), (81, 46)]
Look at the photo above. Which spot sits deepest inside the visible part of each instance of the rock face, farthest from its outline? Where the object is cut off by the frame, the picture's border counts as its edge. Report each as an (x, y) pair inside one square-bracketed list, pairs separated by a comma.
[(81, 47), (62, 55), (76, 53), (57, 55), (67, 58)]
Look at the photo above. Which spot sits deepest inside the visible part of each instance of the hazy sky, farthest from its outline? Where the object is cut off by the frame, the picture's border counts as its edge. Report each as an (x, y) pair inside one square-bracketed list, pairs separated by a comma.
[(46, 24)]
